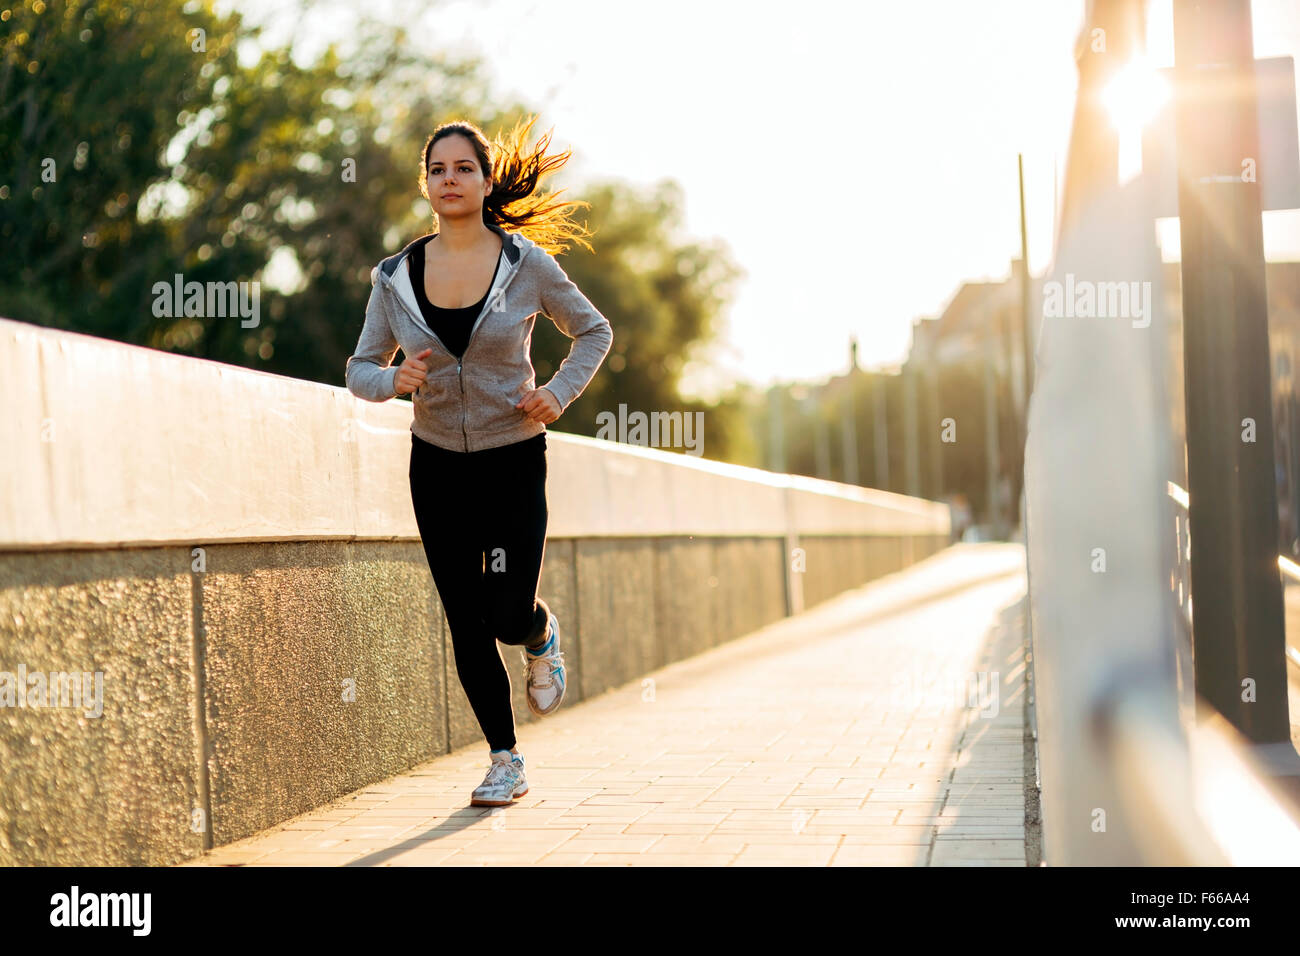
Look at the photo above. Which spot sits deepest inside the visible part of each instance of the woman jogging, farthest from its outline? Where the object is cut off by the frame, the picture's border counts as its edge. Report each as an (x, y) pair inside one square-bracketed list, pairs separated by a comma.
[(460, 304)]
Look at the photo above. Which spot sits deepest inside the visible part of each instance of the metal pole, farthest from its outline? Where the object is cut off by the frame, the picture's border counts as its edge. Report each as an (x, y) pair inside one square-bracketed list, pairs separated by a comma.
[(776, 415), (850, 434), (936, 443), (1292, 433), (1293, 445), (911, 460), (1026, 307), (992, 455), (880, 433), (1015, 406), (1238, 625), (821, 440)]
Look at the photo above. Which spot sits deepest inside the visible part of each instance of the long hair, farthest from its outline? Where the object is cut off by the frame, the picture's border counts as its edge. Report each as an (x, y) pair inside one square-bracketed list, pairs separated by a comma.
[(515, 172)]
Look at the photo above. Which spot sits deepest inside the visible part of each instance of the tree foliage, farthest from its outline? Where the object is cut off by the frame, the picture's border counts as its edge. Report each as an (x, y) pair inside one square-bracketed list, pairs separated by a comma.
[(148, 139)]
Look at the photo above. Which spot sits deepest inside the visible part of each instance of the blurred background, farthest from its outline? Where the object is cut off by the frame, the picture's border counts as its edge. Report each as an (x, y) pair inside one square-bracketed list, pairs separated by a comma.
[(741, 201)]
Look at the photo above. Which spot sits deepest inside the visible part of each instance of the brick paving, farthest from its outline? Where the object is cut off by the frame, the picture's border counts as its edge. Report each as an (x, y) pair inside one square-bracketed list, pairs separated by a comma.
[(883, 727)]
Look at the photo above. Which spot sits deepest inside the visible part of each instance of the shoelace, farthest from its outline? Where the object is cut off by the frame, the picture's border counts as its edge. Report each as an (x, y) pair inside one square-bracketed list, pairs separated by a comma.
[(544, 675), (496, 772)]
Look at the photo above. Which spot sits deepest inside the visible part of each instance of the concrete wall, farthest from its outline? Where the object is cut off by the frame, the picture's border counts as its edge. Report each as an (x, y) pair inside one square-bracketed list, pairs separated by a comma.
[(269, 636)]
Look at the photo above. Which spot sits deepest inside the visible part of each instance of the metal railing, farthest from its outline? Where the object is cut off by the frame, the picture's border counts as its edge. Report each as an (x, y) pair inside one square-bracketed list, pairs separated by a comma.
[(1201, 797), (1180, 584), (1290, 574)]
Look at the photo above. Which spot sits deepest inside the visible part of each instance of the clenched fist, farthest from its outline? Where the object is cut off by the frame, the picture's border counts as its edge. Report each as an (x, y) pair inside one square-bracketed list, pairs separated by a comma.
[(411, 373), (540, 405)]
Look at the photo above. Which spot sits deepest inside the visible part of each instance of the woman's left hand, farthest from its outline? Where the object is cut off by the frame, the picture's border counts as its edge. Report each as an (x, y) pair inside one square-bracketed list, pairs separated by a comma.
[(540, 405)]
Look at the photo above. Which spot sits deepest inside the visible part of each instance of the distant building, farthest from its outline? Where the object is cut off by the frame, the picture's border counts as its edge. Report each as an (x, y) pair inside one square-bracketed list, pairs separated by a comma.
[(971, 327), (970, 331)]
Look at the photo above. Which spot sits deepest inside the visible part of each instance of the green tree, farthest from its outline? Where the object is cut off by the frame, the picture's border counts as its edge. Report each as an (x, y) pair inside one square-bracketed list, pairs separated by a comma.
[(181, 143), (92, 95)]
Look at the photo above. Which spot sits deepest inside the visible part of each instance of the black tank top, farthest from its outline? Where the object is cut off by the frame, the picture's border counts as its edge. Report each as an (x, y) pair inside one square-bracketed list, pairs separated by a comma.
[(452, 326)]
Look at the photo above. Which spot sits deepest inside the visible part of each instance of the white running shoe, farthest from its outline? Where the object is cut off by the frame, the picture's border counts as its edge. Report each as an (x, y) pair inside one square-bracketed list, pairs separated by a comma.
[(544, 672), (504, 783)]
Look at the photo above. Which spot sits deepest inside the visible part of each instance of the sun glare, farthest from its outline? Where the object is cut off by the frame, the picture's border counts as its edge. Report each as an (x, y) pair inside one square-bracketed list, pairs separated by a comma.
[(1135, 94), (1132, 99)]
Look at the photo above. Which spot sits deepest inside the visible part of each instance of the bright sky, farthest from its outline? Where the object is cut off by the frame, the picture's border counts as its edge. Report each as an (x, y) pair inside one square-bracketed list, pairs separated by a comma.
[(859, 159)]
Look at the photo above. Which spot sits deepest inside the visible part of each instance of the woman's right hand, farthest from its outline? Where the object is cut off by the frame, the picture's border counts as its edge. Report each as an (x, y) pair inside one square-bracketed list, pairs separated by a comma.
[(410, 374)]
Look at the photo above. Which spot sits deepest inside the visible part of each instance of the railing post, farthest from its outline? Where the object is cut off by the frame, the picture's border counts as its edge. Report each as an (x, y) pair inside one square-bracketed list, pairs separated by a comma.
[(1238, 628), (793, 579)]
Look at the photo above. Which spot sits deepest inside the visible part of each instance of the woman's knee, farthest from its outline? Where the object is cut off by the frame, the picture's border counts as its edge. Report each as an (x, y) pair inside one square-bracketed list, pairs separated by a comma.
[(517, 622)]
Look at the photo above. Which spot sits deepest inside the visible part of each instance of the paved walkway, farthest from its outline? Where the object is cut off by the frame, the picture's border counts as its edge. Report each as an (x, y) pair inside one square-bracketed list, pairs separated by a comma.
[(882, 727)]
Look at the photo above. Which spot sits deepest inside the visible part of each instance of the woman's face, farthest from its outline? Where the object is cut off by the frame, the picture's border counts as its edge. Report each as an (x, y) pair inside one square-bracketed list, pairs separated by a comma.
[(455, 181)]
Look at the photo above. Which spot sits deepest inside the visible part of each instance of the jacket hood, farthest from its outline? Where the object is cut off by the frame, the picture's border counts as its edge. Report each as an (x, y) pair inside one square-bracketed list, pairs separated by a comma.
[(515, 245)]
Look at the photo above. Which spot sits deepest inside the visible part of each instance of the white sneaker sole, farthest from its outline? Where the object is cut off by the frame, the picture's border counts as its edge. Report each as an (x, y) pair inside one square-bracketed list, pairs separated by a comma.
[(486, 802)]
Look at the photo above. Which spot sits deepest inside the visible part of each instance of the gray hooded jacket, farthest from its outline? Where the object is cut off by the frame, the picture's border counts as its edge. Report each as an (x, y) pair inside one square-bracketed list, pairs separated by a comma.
[(469, 404)]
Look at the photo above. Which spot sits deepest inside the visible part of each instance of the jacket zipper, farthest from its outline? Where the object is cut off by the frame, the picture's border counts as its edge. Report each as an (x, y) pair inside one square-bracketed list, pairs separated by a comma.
[(487, 306), (463, 433)]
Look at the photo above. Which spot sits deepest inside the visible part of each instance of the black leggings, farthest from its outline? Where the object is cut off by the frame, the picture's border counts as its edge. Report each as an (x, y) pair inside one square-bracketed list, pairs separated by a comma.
[(482, 520)]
